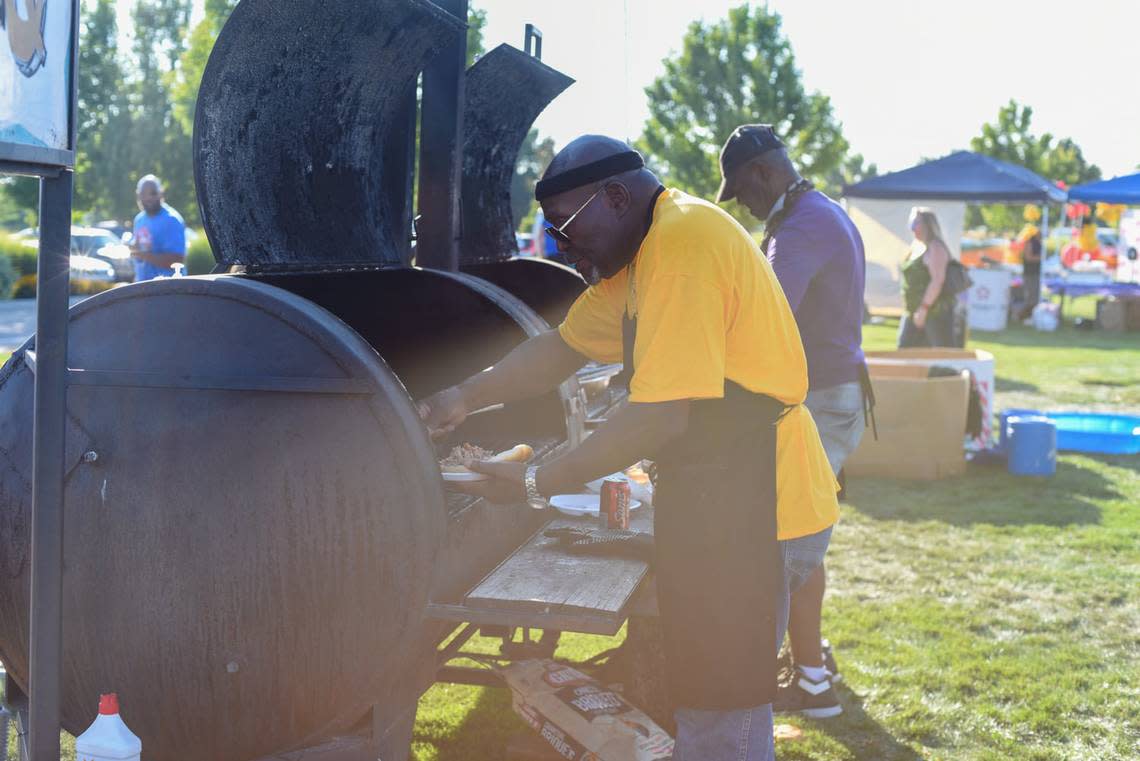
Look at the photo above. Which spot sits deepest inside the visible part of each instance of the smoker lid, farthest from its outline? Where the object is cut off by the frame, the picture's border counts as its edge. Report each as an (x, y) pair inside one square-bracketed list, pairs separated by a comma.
[(289, 135), (506, 90)]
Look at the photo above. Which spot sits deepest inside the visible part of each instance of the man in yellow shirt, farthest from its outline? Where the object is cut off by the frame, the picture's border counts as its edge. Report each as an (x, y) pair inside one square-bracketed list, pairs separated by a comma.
[(717, 376)]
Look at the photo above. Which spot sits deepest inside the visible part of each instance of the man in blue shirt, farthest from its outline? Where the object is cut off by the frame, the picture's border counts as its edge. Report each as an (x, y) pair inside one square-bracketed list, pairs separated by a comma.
[(817, 255), (160, 234)]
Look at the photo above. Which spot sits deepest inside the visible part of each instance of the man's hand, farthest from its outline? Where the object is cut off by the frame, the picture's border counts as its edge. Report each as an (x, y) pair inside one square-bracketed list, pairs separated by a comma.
[(443, 412), (920, 318), (504, 487)]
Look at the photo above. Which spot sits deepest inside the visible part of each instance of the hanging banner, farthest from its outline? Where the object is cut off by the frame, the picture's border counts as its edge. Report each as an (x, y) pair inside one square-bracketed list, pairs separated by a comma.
[(37, 44)]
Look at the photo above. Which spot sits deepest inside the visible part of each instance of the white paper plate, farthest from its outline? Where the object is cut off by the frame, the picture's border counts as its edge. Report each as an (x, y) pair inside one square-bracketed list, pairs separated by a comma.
[(582, 504), (464, 477)]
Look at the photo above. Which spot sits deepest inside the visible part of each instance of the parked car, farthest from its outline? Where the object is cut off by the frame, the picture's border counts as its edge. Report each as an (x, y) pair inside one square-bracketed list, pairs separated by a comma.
[(103, 244), (96, 245), (525, 244), (118, 229), (90, 268)]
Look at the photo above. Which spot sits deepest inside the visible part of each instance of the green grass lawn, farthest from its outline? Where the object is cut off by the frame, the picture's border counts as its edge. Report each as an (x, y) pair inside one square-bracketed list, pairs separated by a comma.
[(980, 617)]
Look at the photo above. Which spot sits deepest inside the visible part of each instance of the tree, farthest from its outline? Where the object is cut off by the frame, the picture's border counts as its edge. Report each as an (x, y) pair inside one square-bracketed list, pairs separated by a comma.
[(1011, 139), (23, 193), (161, 144), (103, 182), (476, 20), (534, 156), (192, 64), (853, 169), (740, 70), (14, 212)]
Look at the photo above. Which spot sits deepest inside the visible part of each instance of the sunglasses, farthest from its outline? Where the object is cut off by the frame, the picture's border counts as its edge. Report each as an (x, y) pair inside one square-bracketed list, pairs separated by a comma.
[(559, 233)]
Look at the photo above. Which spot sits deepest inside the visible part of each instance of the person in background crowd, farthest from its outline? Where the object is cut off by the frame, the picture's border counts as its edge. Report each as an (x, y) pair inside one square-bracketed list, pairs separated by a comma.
[(817, 255), (1029, 240), (929, 317), (159, 240)]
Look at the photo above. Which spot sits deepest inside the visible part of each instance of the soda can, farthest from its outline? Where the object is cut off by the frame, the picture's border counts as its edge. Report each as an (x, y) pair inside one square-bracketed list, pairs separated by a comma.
[(615, 496)]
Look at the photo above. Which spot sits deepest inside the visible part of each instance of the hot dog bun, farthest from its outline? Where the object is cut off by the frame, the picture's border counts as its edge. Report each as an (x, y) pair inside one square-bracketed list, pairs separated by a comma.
[(518, 453)]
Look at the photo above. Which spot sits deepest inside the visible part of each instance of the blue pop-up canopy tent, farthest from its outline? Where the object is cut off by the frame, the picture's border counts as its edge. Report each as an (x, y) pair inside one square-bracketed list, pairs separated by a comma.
[(1124, 190), (961, 176)]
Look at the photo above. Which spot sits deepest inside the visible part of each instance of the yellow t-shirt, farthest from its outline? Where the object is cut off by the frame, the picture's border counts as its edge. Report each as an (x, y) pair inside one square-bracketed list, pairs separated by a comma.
[(709, 307)]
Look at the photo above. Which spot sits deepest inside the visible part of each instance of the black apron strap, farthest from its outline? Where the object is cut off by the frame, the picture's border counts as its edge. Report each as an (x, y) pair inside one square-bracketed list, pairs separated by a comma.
[(868, 399)]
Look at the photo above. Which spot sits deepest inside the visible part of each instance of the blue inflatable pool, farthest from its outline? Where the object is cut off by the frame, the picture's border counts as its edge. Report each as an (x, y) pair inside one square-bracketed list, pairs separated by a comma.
[(1092, 431)]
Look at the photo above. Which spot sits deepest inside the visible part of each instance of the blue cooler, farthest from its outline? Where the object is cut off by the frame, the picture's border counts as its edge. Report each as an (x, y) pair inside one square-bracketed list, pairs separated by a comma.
[(1003, 424), (1032, 446)]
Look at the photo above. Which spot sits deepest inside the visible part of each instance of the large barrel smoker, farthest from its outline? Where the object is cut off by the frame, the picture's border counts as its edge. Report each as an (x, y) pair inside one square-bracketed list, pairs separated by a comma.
[(255, 520)]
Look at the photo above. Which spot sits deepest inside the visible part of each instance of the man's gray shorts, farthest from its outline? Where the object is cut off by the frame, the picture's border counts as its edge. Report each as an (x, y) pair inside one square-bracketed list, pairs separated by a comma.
[(838, 414)]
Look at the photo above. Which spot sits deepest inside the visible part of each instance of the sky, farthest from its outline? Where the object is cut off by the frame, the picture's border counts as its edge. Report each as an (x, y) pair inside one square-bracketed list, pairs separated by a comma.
[(909, 79)]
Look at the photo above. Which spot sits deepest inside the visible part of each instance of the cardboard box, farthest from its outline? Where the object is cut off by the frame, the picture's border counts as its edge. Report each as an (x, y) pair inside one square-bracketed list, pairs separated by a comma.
[(1110, 314), (980, 363), (1118, 314), (921, 422)]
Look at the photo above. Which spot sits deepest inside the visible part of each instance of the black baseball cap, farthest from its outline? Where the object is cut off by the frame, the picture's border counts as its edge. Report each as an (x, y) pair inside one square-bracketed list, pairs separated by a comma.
[(748, 141)]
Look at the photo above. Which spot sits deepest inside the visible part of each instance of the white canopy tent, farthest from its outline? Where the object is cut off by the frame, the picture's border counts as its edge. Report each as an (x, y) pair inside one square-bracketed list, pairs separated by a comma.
[(885, 227)]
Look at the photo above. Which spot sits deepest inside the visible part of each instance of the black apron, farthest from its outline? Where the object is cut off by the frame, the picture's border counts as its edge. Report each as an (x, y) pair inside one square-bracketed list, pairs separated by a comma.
[(718, 563)]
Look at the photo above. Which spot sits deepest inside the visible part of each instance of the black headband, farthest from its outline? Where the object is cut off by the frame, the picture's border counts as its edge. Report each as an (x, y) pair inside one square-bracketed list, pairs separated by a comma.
[(587, 173)]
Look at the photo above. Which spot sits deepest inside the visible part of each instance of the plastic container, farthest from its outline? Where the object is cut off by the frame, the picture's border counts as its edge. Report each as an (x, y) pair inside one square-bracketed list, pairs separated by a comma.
[(989, 299), (1091, 432), (1003, 423), (1046, 317), (1032, 446), (1097, 433), (108, 739)]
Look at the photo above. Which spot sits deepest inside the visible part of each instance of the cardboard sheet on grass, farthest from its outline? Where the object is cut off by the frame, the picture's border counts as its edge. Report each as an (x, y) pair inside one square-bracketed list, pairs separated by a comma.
[(980, 363), (581, 719), (920, 422)]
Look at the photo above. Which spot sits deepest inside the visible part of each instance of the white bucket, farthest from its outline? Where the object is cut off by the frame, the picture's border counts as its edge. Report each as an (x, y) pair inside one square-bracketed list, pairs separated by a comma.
[(989, 299)]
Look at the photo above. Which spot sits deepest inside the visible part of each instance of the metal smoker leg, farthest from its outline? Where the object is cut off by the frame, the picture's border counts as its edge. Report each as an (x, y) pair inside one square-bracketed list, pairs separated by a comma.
[(14, 713)]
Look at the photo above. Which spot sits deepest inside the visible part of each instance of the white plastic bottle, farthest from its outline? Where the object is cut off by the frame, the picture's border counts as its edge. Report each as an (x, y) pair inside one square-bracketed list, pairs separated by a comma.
[(108, 739)]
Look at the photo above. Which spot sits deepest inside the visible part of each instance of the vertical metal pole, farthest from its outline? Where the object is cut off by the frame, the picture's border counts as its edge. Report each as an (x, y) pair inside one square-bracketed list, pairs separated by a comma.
[(47, 466), (441, 151)]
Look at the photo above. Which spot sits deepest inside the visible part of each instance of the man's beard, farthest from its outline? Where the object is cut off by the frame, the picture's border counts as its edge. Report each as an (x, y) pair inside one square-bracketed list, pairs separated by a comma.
[(587, 271)]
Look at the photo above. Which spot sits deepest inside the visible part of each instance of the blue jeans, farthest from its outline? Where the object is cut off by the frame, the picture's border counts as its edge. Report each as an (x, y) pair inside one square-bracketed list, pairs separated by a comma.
[(838, 414), (744, 735)]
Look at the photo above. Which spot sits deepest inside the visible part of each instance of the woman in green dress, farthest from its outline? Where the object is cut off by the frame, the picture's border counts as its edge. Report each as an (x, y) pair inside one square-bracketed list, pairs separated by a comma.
[(929, 317)]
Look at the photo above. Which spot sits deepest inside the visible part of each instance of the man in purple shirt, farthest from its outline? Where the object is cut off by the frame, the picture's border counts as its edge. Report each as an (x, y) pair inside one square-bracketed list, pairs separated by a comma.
[(817, 255)]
